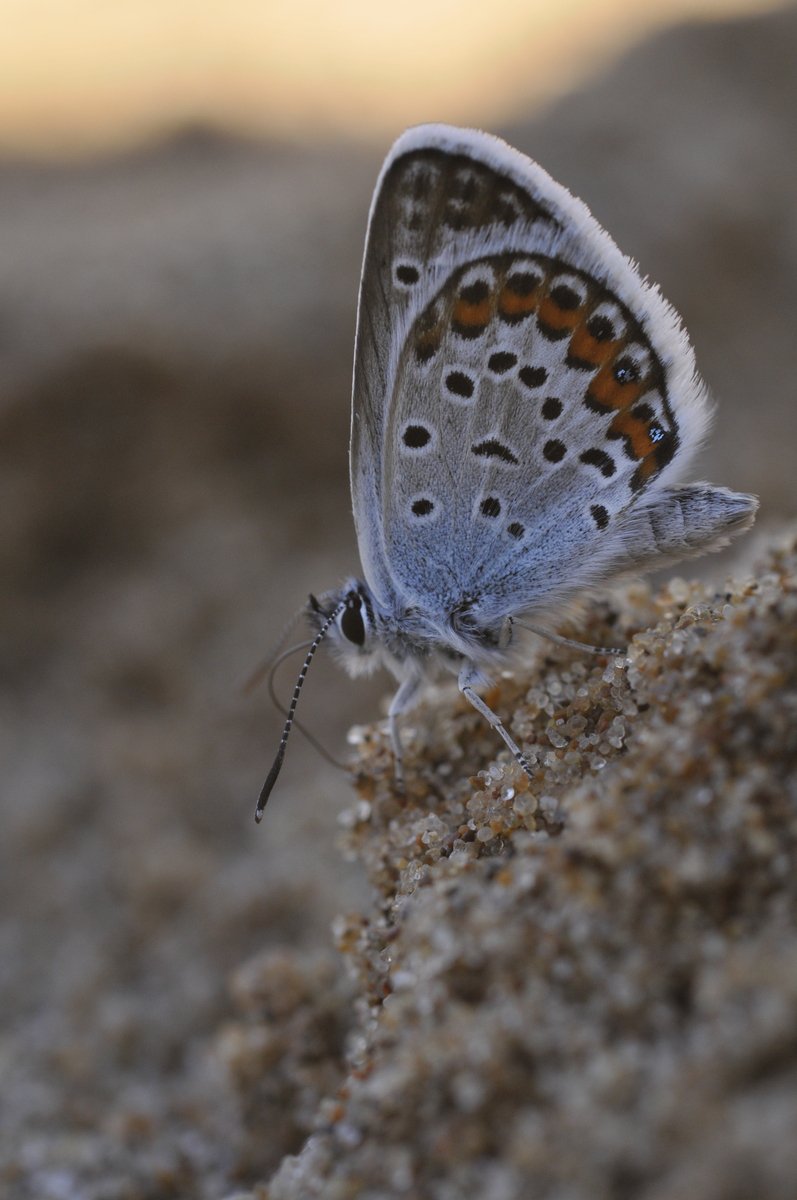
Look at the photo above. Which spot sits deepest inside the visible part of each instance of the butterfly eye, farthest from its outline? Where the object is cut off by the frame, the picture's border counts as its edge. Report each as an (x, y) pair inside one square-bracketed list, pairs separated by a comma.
[(352, 625)]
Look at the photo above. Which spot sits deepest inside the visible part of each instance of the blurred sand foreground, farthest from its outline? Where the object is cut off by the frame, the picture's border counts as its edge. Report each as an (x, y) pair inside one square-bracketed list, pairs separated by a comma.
[(175, 346)]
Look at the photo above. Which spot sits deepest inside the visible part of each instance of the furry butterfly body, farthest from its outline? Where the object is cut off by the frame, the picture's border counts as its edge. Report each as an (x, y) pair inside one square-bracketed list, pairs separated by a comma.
[(524, 408)]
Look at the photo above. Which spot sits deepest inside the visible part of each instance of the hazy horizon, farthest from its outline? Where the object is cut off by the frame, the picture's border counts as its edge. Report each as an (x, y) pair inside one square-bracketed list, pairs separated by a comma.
[(85, 78)]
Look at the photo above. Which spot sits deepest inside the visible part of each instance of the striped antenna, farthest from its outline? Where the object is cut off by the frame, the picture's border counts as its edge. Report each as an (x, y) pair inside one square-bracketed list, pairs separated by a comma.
[(276, 766)]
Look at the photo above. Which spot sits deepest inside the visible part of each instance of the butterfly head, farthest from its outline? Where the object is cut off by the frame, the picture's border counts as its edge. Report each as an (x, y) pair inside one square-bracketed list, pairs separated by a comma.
[(353, 633)]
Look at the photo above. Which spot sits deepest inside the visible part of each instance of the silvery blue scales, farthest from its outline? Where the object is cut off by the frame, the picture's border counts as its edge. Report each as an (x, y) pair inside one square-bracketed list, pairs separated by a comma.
[(524, 407)]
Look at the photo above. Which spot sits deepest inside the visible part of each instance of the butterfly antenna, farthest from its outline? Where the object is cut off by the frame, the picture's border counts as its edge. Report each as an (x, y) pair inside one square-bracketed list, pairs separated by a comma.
[(564, 641), (280, 707), (276, 766)]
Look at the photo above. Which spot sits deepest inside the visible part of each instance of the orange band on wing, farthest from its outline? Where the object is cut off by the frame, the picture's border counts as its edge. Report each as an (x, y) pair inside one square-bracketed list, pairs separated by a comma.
[(610, 393), (513, 304), (559, 320), (588, 349), (472, 316), (636, 433)]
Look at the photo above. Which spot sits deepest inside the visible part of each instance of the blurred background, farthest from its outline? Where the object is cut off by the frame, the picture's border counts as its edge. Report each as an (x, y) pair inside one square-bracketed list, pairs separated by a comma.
[(183, 198)]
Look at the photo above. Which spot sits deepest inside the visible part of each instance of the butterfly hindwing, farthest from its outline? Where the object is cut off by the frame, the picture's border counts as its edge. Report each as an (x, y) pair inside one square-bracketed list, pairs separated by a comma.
[(529, 410)]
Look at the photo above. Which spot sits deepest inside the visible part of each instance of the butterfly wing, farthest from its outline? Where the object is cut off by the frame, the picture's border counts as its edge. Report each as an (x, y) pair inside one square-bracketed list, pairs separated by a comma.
[(522, 398)]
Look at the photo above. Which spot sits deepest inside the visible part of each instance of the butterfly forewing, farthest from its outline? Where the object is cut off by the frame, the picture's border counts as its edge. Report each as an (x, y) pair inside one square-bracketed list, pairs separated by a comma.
[(431, 207)]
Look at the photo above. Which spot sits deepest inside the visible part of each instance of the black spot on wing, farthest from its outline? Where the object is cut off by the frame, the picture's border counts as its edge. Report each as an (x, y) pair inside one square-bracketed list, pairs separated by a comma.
[(599, 515), (626, 370), (407, 274), (415, 437), (476, 292), (565, 297), (492, 448), (501, 362), (554, 450), (533, 377), (666, 444), (459, 384), (601, 327), (600, 459), (522, 283)]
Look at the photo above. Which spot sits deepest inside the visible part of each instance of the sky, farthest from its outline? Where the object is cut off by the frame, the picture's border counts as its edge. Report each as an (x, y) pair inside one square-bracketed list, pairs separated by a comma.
[(79, 76)]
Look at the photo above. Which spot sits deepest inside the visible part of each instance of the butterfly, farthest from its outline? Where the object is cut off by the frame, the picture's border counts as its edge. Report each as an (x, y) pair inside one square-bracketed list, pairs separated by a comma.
[(524, 406)]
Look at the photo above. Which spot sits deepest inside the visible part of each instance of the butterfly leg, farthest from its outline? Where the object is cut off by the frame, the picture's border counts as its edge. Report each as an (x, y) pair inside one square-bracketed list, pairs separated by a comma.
[(402, 701), (467, 677)]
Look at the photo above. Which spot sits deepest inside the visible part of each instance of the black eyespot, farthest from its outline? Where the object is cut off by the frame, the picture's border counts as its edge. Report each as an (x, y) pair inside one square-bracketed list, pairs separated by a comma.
[(516, 530), (491, 507), (523, 283), (552, 408), (415, 437), (600, 327), (626, 371), (565, 297), (475, 293), (352, 625)]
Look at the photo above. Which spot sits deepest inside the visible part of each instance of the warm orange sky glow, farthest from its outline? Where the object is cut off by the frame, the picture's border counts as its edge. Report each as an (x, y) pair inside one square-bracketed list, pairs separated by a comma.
[(87, 74)]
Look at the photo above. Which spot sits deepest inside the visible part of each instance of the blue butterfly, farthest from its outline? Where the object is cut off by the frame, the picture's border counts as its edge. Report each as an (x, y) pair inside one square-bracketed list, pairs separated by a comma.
[(524, 406)]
